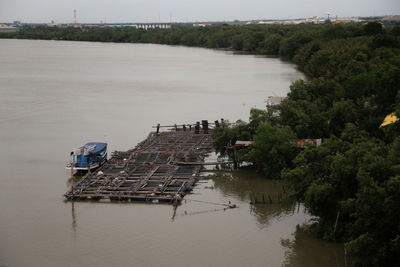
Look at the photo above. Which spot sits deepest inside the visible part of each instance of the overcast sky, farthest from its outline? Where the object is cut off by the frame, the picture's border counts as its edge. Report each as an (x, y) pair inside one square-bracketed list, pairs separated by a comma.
[(62, 11)]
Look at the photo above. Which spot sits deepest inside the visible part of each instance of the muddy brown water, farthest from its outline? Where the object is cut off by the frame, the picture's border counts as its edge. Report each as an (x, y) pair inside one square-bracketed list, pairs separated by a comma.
[(55, 96)]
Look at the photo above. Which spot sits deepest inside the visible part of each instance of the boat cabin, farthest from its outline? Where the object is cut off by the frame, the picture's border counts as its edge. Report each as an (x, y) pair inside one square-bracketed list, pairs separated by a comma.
[(90, 156)]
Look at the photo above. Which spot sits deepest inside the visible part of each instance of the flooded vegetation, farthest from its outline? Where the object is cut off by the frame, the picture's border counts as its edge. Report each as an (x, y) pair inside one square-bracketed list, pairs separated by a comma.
[(281, 223)]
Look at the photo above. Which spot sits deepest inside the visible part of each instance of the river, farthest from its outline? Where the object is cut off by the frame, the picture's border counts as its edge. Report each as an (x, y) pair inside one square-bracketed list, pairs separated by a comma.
[(55, 96)]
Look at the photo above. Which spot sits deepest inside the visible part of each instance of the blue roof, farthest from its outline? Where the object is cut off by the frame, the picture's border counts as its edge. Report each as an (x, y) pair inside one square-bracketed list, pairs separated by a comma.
[(99, 146)]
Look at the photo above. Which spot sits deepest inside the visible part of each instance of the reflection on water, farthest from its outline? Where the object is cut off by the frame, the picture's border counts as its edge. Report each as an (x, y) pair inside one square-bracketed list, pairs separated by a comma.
[(305, 250), (301, 249), (193, 213), (174, 214), (74, 223), (247, 185)]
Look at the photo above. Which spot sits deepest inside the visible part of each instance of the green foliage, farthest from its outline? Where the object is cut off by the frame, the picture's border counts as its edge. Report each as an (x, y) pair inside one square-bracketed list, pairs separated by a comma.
[(225, 136), (342, 112), (258, 116), (291, 44), (358, 176), (372, 28), (306, 109), (273, 148), (384, 40), (271, 44), (237, 42), (320, 199)]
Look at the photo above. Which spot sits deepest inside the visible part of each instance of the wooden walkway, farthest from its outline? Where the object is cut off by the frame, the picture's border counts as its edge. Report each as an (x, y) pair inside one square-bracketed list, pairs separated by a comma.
[(163, 167)]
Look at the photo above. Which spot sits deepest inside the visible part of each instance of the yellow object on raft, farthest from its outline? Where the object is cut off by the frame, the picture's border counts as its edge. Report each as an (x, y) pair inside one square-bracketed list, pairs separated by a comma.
[(391, 118)]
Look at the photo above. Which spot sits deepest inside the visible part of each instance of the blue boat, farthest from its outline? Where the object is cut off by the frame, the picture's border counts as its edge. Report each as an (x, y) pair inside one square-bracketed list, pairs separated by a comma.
[(88, 157)]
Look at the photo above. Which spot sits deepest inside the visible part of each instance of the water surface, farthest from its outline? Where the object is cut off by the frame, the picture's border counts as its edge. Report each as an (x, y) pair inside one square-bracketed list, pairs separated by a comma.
[(55, 96)]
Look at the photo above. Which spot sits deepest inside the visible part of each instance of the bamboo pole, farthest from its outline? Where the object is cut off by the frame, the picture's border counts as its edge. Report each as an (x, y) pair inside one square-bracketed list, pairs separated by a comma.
[(72, 173), (336, 222)]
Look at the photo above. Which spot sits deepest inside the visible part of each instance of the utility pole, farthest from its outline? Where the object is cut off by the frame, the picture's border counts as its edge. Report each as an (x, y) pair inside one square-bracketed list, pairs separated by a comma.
[(75, 18)]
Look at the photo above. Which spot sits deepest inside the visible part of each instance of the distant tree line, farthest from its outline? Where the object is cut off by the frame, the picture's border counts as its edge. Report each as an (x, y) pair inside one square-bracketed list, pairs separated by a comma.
[(352, 181), (282, 40)]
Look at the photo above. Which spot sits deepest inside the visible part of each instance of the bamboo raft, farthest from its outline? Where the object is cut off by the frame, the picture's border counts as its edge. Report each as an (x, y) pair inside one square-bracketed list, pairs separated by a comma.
[(163, 167)]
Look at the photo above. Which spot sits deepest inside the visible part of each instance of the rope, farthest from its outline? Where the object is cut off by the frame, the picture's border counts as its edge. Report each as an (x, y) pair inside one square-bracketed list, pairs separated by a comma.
[(208, 202)]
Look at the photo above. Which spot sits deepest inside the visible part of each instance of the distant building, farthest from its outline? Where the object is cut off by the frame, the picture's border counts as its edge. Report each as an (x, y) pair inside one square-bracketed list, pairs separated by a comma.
[(314, 20), (7, 28), (201, 25), (302, 143), (347, 20), (392, 18), (240, 143), (53, 24), (267, 22), (147, 26), (380, 22)]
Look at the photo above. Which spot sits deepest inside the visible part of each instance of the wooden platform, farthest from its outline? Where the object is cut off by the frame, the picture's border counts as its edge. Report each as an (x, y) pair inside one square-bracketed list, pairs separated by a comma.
[(163, 167)]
